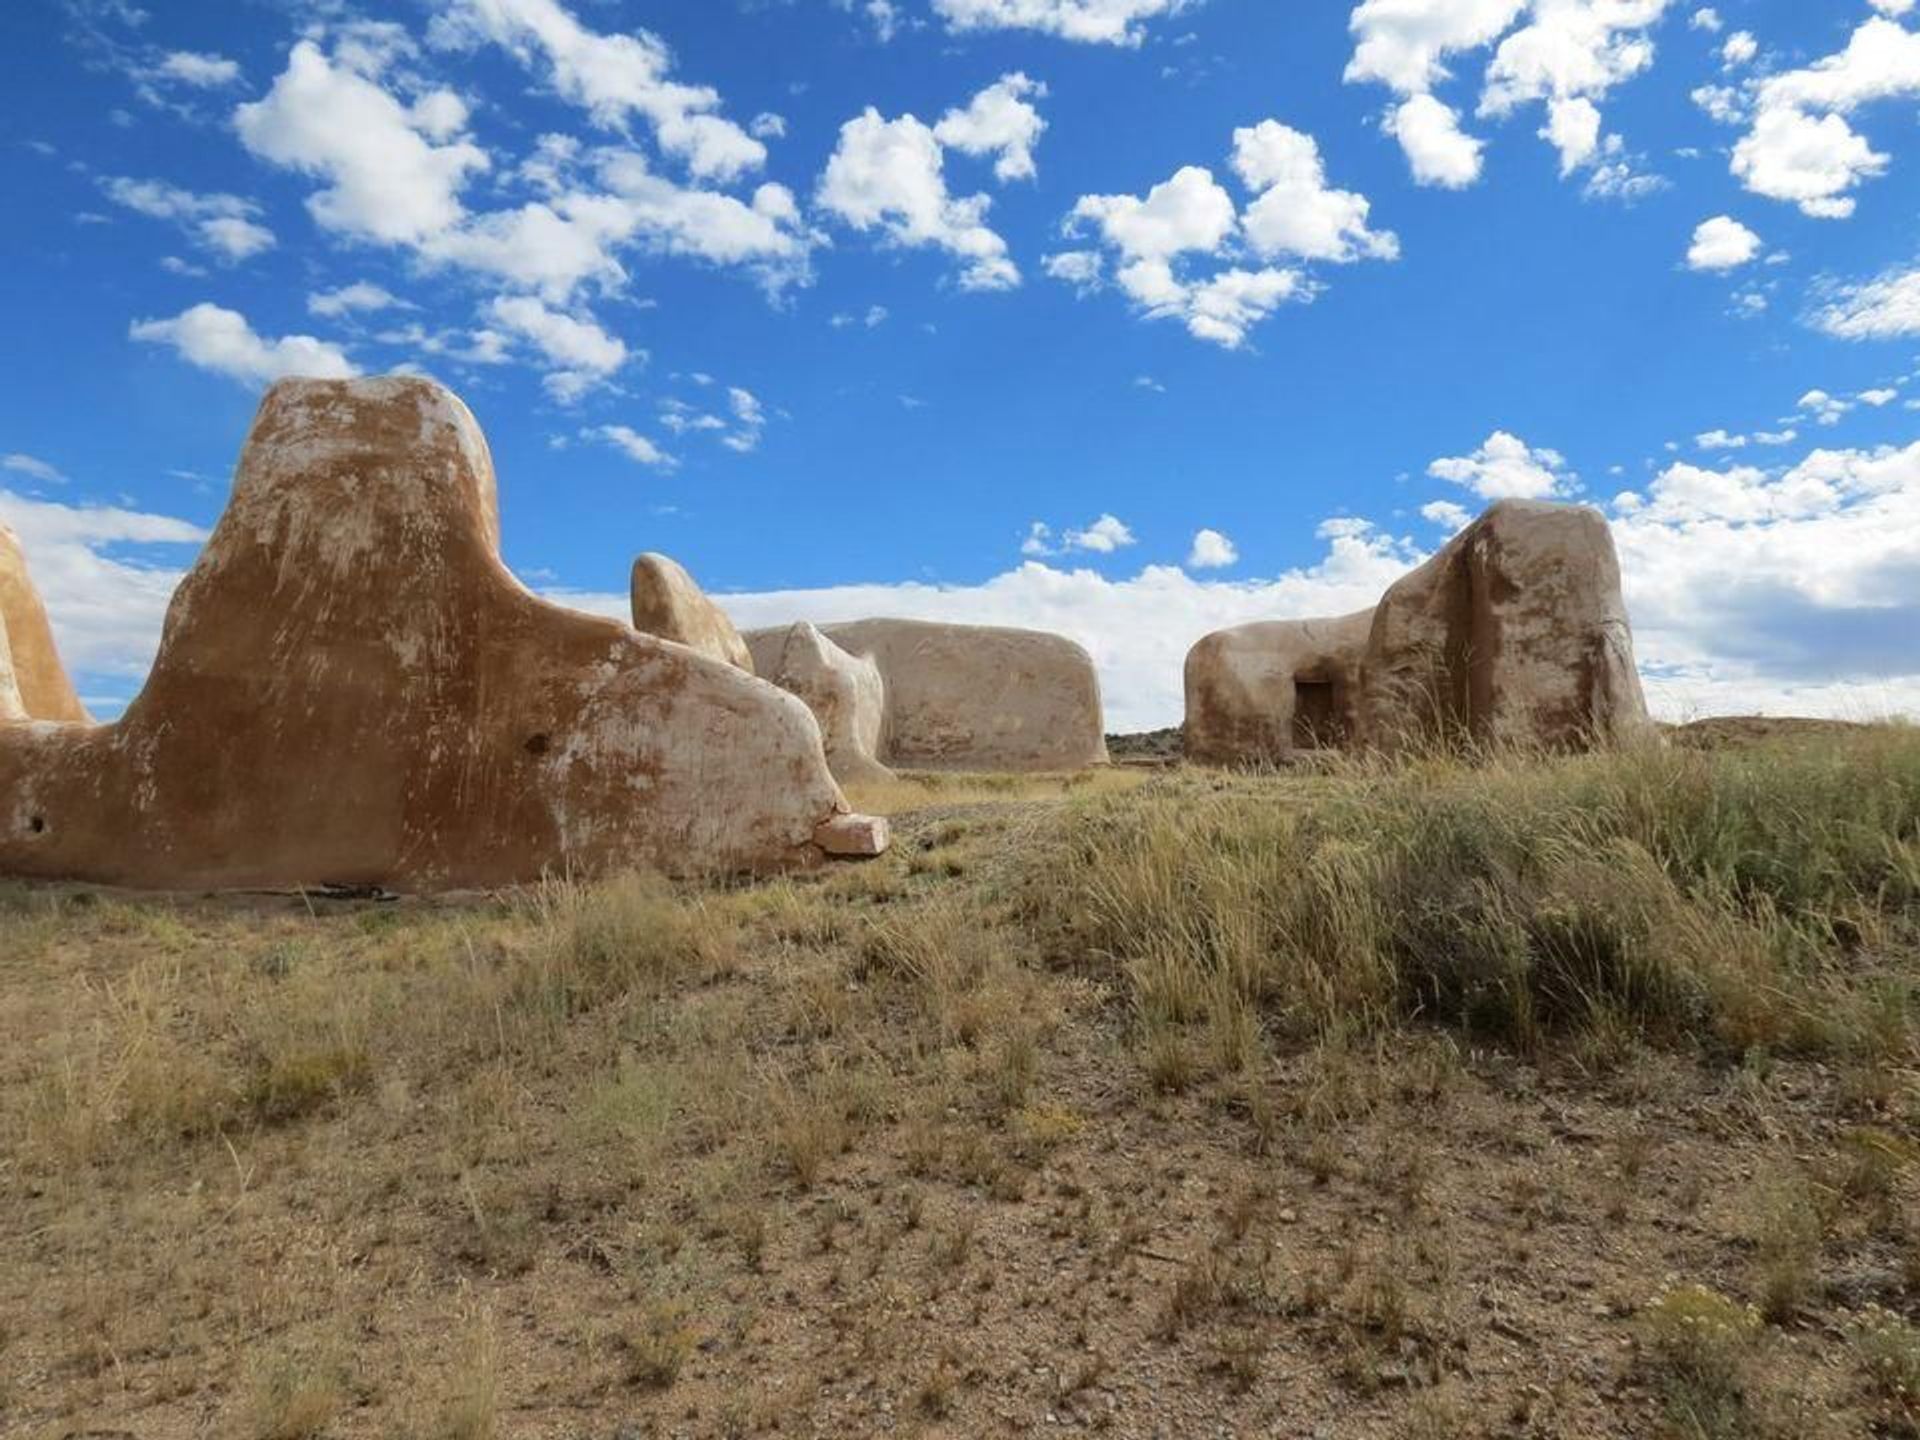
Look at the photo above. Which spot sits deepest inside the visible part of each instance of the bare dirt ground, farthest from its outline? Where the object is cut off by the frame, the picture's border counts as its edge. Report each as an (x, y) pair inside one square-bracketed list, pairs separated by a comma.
[(887, 1150)]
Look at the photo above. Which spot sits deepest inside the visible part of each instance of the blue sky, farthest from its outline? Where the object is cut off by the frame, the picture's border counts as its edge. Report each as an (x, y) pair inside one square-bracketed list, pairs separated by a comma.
[(1129, 318)]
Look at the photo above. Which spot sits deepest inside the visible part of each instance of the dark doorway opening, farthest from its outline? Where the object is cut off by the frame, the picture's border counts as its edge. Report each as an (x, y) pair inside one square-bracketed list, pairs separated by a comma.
[(1317, 721)]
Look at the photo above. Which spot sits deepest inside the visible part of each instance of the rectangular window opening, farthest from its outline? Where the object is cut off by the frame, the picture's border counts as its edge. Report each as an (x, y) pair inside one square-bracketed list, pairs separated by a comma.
[(1317, 722)]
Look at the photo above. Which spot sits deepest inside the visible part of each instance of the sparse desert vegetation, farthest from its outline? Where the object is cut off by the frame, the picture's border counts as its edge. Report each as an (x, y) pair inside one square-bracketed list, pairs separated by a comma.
[(1503, 1097)]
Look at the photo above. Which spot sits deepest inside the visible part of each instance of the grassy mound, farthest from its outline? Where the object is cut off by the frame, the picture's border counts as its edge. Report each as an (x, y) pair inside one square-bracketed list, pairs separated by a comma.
[(1761, 897)]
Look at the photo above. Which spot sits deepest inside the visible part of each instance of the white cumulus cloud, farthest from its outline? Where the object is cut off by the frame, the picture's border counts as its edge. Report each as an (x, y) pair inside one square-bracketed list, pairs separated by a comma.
[(1721, 243), (999, 121), (1824, 409), (234, 237), (358, 298), (613, 77), (1107, 22), (1801, 146), (581, 354), (1404, 44), (1446, 514), (1570, 55), (1884, 308), (1438, 151), (1785, 590), (1564, 54), (218, 222), (1103, 536), (1190, 214), (222, 341), (597, 206), (883, 15), (1506, 467), (890, 175), (394, 162), (1295, 212), (1181, 250), (631, 443), (1083, 269), (388, 177), (198, 70), (1212, 551), (1790, 155)]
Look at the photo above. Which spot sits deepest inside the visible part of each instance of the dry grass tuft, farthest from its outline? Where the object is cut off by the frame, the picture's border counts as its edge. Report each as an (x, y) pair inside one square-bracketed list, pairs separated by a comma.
[(296, 1397), (1787, 1247), (657, 1345), (1888, 1348), (609, 939), (1700, 1347)]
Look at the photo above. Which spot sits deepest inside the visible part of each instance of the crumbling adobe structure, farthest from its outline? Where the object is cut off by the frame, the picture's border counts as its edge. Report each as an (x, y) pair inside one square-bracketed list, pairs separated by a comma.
[(33, 683), (1263, 691), (352, 689), (1515, 633), (845, 692), (668, 603), (976, 697)]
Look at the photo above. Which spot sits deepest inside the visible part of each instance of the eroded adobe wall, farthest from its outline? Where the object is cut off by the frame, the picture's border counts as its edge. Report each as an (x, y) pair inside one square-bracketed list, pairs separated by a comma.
[(351, 688), (668, 603), (974, 697), (1242, 684), (1516, 633), (34, 685), (846, 693)]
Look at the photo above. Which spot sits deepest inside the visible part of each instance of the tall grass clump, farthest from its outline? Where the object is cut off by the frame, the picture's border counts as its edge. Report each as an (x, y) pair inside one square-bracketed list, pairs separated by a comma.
[(1764, 897), (594, 942)]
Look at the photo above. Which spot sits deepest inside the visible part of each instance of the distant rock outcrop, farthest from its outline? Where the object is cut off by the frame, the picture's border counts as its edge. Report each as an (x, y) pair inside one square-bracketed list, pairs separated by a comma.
[(845, 693), (974, 697), (1514, 633), (352, 689), (667, 603), (33, 683)]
